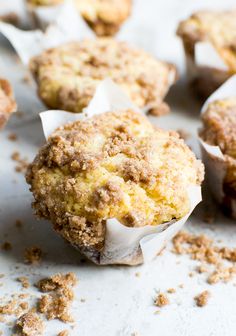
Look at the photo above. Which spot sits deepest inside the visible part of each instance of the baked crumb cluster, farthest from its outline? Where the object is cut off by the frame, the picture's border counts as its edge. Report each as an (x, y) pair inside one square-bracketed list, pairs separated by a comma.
[(219, 28), (68, 75), (29, 324), (7, 102), (114, 165), (104, 16), (219, 125)]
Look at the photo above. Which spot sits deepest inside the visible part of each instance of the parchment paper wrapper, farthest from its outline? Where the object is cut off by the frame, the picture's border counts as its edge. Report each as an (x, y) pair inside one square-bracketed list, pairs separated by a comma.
[(123, 245), (215, 163), (206, 70)]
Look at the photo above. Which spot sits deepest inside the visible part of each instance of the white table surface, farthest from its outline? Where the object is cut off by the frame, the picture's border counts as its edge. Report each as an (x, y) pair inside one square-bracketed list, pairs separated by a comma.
[(117, 302)]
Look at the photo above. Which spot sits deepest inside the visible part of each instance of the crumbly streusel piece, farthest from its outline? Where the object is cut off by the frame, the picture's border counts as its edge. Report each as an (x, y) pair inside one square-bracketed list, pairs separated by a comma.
[(68, 75), (7, 102), (104, 16), (114, 165), (30, 324)]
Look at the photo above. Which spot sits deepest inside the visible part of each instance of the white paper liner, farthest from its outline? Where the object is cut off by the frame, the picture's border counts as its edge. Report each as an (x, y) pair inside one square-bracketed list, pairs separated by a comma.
[(207, 56), (123, 245), (213, 157)]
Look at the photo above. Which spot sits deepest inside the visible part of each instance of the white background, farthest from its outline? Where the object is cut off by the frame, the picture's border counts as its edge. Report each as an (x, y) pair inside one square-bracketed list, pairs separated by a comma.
[(117, 302)]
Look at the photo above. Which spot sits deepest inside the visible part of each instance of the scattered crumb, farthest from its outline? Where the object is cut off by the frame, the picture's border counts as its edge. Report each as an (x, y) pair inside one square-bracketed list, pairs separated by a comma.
[(63, 333), (33, 255), (22, 164), (30, 324), (202, 268), (171, 290), (191, 274), (12, 137), (202, 299), (137, 274), (24, 281), (221, 274), (6, 246), (56, 305), (185, 135), (82, 300), (161, 300), (18, 223), (181, 286)]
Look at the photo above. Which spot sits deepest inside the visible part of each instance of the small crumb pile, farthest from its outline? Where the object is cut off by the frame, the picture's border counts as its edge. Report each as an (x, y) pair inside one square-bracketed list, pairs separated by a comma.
[(161, 300), (217, 262), (33, 255), (202, 299), (24, 281), (29, 324), (22, 164), (57, 303)]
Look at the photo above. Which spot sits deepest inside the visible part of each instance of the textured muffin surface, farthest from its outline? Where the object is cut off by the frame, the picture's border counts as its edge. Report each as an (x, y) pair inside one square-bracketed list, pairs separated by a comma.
[(68, 75), (104, 16), (115, 165), (7, 102), (219, 28)]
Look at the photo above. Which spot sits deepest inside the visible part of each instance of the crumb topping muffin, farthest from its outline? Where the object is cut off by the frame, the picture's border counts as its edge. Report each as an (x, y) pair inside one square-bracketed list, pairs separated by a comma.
[(7, 102), (219, 125), (68, 75), (219, 28), (104, 16), (114, 165)]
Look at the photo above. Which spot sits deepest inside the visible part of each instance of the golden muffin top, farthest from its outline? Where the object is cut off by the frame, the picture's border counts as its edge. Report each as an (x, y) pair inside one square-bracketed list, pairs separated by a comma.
[(7, 102), (219, 28), (68, 75), (114, 165), (219, 125)]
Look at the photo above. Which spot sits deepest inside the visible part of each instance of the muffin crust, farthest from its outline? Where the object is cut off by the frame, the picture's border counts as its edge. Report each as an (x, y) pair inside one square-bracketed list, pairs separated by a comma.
[(68, 75), (115, 165)]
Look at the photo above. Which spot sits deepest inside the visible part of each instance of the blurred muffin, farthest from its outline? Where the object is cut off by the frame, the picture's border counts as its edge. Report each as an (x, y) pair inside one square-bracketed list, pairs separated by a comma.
[(114, 165), (68, 75), (104, 16), (7, 102), (219, 29), (219, 129)]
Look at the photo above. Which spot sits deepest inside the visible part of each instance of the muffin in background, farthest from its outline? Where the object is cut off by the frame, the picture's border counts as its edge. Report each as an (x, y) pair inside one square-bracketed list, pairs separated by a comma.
[(105, 17), (68, 75), (219, 129), (219, 29)]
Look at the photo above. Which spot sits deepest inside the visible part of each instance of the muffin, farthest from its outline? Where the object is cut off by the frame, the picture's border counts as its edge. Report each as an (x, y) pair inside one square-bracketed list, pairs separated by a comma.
[(68, 75), (7, 102), (112, 165), (219, 125), (218, 29), (104, 16)]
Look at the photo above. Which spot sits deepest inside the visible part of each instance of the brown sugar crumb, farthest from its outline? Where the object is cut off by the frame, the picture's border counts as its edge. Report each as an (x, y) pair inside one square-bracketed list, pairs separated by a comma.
[(30, 324), (63, 333), (161, 300), (22, 163), (202, 248), (171, 290), (33, 255), (6, 246), (24, 282), (9, 308), (56, 305), (18, 223), (12, 137), (202, 299)]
